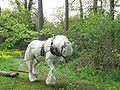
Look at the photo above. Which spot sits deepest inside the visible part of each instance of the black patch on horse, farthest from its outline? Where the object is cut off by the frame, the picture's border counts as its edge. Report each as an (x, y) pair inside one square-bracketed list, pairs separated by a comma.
[(42, 51)]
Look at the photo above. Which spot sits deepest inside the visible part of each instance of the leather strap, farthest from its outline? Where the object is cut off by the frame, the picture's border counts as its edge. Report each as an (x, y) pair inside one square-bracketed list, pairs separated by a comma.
[(55, 51)]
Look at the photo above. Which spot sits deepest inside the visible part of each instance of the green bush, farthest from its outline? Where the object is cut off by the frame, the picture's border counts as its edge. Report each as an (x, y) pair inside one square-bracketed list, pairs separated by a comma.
[(50, 30), (96, 41), (15, 33)]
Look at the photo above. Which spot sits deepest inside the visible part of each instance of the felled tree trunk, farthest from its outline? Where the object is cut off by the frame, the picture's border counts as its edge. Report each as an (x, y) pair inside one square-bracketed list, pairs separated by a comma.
[(9, 74)]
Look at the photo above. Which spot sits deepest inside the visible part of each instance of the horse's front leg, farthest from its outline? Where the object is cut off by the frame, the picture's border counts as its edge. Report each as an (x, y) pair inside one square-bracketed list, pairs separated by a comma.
[(32, 77), (51, 75)]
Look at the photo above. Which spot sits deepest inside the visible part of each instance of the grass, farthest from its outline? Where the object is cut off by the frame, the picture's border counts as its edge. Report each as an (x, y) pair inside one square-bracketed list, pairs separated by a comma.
[(67, 78)]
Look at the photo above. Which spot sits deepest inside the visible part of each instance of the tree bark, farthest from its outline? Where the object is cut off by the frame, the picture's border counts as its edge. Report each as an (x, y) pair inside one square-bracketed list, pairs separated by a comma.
[(0, 11), (101, 7), (25, 4), (9, 74), (112, 9), (81, 9), (30, 4), (66, 15), (95, 6), (40, 15)]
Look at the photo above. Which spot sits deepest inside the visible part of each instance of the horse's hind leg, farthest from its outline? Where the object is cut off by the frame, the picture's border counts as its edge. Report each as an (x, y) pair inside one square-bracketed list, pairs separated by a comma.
[(32, 77), (34, 71), (29, 57)]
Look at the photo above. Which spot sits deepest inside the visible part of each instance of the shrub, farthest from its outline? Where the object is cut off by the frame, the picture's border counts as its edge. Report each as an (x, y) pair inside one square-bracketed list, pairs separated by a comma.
[(15, 33), (97, 39)]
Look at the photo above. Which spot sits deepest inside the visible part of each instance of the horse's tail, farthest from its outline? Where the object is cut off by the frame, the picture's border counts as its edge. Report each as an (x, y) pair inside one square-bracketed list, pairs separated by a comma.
[(27, 57)]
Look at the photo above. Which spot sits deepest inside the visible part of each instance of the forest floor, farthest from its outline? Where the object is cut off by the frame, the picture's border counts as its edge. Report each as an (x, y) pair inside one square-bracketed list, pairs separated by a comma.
[(64, 80)]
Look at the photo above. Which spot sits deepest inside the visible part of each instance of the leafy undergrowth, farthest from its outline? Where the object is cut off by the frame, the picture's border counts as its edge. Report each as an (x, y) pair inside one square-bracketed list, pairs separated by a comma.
[(67, 79)]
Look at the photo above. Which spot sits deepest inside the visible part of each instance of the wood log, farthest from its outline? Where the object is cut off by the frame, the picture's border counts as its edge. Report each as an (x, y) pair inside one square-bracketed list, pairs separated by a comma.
[(9, 74)]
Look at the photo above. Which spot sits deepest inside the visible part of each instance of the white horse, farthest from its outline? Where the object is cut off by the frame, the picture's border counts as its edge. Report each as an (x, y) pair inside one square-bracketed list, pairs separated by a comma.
[(53, 49)]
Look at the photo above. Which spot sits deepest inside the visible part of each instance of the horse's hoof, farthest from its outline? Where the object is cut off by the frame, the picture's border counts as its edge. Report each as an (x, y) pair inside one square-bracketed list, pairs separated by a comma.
[(32, 79), (50, 83)]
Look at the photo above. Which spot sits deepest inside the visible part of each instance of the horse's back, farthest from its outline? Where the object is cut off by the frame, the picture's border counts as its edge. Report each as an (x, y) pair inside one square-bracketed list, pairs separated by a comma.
[(33, 46), (36, 44)]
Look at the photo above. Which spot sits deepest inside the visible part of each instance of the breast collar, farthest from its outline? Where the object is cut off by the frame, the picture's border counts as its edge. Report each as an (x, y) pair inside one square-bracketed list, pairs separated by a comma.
[(55, 51)]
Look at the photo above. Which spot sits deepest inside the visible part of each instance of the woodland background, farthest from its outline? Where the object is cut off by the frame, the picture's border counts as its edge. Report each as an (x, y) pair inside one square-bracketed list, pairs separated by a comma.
[(94, 31)]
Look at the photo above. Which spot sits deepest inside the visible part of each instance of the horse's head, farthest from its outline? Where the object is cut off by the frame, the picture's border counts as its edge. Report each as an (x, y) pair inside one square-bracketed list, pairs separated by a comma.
[(65, 46), (66, 49), (62, 46)]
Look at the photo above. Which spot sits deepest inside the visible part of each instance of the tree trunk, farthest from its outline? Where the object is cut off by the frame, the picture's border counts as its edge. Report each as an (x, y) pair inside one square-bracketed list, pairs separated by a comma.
[(66, 15), (30, 4), (25, 4), (95, 6), (40, 15), (101, 7), (9, 74), (112, 9), (81, 9), (0, 11)]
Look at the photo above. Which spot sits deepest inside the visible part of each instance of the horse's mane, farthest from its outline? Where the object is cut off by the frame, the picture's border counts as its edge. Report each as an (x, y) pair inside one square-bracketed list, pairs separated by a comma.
[(60, 39)]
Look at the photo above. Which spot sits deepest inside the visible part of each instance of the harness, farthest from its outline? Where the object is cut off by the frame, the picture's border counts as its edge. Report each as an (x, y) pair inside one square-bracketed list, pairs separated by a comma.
[(42, 51), (53, 50)]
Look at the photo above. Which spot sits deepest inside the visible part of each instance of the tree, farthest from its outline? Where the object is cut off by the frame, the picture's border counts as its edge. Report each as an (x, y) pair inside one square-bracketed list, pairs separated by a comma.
[(81, 9), (25, 4), (112, 9), (0, 11), (24, 7), (66, 15), (22, 4), (40, 15), (30, 4), (101, 7), (95, 6)]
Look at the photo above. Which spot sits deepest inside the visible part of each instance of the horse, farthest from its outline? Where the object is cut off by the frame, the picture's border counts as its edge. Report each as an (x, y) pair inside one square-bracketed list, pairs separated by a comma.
[(54, 49)]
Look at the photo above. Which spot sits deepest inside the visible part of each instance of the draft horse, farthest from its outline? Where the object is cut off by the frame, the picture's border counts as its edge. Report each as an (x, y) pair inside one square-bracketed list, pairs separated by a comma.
[(53, 49)]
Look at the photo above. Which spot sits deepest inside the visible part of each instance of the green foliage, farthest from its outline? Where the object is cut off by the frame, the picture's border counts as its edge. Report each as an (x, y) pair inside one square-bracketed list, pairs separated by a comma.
[(96, 46), (50, 30), (9, 54), (17, 32), (96, 41)]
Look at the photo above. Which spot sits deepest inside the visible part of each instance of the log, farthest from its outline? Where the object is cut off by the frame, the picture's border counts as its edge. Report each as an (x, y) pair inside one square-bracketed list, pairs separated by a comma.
[(9, 74)]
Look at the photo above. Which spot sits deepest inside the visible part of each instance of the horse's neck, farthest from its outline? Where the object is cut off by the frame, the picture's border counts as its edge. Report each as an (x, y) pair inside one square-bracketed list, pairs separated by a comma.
[(48, 41)]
